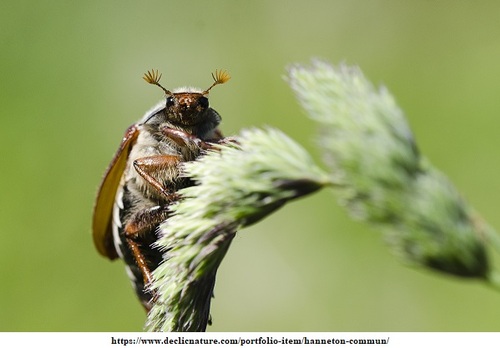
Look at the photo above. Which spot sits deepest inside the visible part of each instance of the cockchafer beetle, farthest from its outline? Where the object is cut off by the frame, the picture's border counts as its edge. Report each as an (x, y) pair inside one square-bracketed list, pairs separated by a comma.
[(143, 178)]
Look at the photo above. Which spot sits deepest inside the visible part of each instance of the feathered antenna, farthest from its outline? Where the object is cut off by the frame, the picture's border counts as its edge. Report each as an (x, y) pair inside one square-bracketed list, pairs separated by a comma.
[(220, 77), (153, 77)]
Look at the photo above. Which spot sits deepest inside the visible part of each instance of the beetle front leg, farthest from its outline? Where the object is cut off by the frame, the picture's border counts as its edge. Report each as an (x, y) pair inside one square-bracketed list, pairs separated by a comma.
[(183, 138)]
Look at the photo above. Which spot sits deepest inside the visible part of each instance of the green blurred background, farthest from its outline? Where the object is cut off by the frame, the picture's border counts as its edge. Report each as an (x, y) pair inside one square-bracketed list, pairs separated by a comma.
[(71, 84)]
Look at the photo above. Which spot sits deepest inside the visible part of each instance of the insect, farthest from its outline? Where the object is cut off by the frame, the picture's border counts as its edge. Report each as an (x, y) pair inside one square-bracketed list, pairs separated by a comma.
[(142, 180)]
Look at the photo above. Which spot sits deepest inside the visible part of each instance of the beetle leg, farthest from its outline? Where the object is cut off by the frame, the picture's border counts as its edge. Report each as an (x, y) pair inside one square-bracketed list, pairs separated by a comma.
[(228, 140), (145, 220), (183, 138), (140, 260), (139, 223), (147, 166)]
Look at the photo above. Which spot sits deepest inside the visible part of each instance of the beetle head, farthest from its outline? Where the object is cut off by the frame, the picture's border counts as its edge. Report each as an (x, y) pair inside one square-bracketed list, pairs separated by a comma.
[(188, 107)]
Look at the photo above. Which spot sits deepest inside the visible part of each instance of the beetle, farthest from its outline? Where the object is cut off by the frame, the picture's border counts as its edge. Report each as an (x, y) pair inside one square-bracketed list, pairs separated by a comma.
[(143, 178)]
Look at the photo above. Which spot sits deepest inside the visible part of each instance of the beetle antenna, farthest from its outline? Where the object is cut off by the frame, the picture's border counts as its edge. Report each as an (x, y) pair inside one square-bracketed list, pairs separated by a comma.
[(220, 77), (153, 77)]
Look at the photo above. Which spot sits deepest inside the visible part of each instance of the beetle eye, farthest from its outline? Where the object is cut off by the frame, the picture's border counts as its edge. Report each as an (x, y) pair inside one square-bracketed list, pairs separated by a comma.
[(170, 101), (203, 101)]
